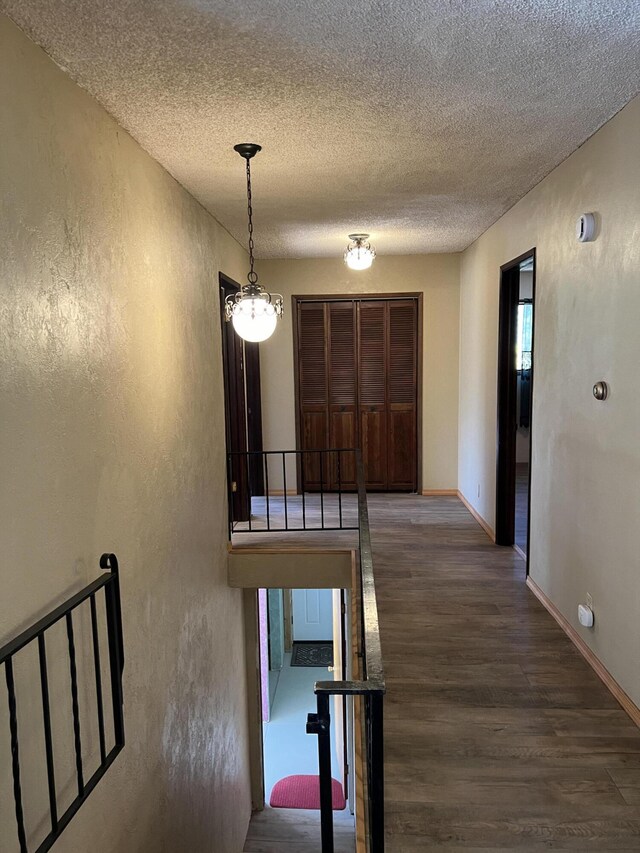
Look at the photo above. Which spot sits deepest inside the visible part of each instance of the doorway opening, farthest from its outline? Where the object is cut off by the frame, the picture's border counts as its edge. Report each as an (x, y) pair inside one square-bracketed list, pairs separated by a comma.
[(515, 398), (242, 410), (302, 640)]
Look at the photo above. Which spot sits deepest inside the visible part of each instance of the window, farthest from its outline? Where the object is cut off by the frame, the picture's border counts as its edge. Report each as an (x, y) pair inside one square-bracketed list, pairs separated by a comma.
[(524, 336)]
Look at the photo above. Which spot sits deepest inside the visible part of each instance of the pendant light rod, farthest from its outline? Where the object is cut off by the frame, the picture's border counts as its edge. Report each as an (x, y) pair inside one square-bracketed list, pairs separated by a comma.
[(248, 151)]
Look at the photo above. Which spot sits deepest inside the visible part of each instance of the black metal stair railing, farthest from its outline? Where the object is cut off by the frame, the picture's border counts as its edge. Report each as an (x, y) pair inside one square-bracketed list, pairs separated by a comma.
[(325, 499), (37, 635), (370, 687), (328, 508)]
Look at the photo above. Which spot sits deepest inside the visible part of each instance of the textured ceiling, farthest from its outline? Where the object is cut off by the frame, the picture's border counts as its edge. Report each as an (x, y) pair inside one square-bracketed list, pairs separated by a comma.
[(418, 121)]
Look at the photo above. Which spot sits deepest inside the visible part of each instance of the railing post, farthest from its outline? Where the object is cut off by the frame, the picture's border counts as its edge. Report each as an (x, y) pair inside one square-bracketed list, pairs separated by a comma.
[(284, 491), (320, 724), (230, 494), (339, 488), (116, 644), (376, 772), (321, 462)]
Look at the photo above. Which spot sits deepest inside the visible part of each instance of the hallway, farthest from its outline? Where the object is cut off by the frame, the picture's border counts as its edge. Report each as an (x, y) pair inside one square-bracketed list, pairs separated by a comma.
[(498, 735)]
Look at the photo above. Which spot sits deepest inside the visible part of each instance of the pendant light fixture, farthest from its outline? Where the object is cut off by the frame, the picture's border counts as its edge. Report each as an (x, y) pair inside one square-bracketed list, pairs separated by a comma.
[(253, 311), (360, 254)]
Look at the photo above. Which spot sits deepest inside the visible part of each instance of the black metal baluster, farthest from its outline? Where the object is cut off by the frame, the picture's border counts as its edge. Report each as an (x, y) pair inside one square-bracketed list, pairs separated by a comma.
[(251, 508), (96, 661), (48, 741), (321, 491), (230, 494), (320, 724), (304, 512), (74, 703), (116, 644), (284, 489), (376, 772), (15, 754), (339, 488), (246, 462), (266, 488)]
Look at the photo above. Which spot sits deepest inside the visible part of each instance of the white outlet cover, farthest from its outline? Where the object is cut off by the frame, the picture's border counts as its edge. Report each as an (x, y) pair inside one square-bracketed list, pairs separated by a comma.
[(585, 616)]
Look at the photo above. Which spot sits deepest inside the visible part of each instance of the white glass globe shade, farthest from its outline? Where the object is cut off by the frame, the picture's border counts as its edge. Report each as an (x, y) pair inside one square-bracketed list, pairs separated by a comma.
[(359, 258), (254, 319)]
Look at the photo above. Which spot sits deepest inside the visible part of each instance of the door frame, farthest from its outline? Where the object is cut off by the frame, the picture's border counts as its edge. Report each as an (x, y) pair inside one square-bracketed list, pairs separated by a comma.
[(253, 408), (254, 681), (507, 401), (360, 297), (242, 407)]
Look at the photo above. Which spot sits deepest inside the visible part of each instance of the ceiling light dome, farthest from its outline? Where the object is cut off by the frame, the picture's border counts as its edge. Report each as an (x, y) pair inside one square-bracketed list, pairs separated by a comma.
[(360, 254), (254, 318), (253, 312)]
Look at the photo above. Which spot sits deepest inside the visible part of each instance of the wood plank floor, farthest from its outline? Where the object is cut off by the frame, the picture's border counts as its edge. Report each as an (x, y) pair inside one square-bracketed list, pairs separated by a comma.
[(498, 736), (296, 831)]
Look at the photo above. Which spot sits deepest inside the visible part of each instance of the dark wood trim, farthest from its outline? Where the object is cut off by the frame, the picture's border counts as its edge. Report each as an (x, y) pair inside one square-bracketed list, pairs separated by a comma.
[(507, 402), (228, 282), (234, 405), (354, 297), (296, 389), (517, 261), (533, 372), (507, 391), (419, 396), (254, 414)]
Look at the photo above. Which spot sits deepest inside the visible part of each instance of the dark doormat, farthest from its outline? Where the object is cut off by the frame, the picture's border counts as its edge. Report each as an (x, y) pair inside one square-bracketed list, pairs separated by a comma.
[(312, 654)]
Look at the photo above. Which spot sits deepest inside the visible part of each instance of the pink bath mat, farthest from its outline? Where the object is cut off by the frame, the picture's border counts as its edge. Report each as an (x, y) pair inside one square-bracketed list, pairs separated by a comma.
[(303, 792)]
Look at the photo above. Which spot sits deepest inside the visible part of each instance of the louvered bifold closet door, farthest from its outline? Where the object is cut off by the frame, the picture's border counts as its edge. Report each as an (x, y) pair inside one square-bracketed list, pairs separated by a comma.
[(372, 391), (314, 393), (343, 386), (402, 415)]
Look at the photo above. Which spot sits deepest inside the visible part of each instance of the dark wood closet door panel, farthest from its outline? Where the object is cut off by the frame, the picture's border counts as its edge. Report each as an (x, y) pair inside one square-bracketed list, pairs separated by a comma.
[(373, 435), (344, 434), (372, 391), (402, 447), (402, 375), (342, 354), (314, 437), (403, 338), (372, 352), (343, 420), (313, 389), (312, 354)]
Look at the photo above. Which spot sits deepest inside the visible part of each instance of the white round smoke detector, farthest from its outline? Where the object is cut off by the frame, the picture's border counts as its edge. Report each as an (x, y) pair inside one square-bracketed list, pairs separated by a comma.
[(586, 228)]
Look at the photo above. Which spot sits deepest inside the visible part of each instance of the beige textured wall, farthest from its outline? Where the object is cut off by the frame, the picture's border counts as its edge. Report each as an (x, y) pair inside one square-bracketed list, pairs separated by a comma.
[(112, 439), (437, 278), (586, 454)]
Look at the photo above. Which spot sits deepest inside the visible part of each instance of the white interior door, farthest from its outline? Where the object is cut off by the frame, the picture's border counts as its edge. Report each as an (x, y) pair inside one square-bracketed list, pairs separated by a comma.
[(312, 614)]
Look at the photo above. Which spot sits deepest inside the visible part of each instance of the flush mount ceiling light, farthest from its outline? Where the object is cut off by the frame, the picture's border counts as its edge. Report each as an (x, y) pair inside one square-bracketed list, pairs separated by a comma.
[(253, 312), (360, 254)]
